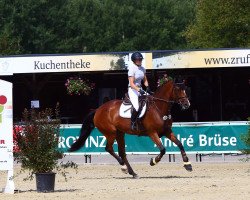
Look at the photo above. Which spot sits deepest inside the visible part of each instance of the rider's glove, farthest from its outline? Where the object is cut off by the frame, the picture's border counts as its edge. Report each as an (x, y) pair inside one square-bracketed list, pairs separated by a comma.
[(149, 91), (142, 92)]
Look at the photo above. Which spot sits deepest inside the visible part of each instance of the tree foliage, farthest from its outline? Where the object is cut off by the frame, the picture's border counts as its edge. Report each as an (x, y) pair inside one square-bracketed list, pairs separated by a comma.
[(246, 139), (75, 26), (220, 24)]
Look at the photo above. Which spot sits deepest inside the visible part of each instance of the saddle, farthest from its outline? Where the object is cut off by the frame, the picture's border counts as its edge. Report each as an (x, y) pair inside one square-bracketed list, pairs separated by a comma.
[(127, 109), (142, 102)]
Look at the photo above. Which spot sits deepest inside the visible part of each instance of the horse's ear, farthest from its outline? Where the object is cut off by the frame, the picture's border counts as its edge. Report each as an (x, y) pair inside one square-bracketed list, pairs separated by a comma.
[(179, 80)]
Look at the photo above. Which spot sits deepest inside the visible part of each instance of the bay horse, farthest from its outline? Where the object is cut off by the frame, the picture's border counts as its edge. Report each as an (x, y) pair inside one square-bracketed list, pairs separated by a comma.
[(157, 122)]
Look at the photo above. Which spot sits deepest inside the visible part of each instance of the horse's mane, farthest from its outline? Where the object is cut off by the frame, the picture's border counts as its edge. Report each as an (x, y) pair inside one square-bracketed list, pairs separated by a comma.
[(163, 84)]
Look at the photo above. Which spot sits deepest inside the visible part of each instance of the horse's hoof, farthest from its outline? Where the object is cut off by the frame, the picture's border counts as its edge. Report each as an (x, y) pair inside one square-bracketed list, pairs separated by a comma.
[(188, 166), (153, 162), (124, 169), (136, 176)]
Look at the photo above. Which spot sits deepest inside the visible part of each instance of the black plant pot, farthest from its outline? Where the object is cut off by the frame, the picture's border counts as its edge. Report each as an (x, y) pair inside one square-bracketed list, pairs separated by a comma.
[(45, 182)]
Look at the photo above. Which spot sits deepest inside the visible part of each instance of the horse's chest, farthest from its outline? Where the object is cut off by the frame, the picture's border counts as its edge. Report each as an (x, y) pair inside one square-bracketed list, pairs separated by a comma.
[(167, 125)]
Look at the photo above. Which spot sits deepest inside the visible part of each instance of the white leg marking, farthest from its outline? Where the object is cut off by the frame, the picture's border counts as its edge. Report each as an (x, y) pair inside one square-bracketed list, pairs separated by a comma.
[(124, 169), (187, 163)]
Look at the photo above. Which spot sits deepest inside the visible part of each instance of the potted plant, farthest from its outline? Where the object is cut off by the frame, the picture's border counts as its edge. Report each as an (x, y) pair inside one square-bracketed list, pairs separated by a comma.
[(77, 86), (36, 143)]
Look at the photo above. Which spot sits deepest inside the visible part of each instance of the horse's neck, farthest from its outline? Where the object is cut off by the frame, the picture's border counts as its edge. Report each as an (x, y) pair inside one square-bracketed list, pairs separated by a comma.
[(164, 93)]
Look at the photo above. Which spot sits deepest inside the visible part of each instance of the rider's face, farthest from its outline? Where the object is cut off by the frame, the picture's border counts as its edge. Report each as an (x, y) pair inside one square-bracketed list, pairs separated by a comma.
[(138, 61)]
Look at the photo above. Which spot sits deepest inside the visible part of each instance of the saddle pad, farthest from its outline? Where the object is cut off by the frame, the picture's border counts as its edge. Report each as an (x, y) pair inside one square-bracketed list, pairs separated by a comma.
[(125, 111)]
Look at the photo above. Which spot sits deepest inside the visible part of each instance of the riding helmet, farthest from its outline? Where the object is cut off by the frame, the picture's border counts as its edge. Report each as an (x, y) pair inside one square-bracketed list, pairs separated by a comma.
[(136, 55)]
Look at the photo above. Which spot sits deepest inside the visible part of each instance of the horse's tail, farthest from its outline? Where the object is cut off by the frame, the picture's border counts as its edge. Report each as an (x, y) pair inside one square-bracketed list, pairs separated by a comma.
[(87, 126)]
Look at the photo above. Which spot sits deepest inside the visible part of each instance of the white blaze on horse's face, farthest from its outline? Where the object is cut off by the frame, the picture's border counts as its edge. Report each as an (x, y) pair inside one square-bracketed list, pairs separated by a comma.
[(184, 102), (181, 97)]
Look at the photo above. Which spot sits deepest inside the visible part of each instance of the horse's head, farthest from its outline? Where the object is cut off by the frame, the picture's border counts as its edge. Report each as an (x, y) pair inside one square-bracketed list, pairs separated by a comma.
[(179, 94), (174, 91)]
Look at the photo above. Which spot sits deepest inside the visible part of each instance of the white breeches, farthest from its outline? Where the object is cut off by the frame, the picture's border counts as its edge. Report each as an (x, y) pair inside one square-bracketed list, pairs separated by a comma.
[(134, 95)]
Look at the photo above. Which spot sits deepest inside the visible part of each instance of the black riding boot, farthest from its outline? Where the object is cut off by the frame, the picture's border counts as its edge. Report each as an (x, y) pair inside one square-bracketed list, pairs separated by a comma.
[(133, 119)]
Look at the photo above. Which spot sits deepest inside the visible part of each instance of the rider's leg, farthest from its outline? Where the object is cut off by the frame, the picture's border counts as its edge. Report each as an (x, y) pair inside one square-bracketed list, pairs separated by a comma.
[(133, 119), (133, 95)]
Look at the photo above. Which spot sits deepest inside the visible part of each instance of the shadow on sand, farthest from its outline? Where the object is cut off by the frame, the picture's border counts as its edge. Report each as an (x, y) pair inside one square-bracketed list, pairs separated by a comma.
[(163, 177), (55, 191)]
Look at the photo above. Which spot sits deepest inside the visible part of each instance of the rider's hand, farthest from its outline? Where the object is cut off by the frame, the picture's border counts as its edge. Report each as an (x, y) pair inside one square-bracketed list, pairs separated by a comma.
[(142, 92), (149, 91)]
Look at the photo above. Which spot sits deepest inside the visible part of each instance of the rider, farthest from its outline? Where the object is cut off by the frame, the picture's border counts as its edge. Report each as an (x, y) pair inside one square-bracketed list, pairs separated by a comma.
[(136, 73)]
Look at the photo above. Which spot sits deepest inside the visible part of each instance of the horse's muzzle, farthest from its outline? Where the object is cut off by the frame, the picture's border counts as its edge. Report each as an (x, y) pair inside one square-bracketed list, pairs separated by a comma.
[(184, 103)]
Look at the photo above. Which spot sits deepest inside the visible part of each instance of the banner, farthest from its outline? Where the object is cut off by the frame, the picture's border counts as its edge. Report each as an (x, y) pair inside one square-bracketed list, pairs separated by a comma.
[(196, 138), (201, 59), (69, 63), (6, 126), (6, 134), (120, 61)]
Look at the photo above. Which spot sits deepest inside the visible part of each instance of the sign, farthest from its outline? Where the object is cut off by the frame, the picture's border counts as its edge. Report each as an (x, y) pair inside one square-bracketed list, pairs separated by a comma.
[(6, 133), (120, 61), (213, 137), (201, 59), (35, 104), (69, 63)]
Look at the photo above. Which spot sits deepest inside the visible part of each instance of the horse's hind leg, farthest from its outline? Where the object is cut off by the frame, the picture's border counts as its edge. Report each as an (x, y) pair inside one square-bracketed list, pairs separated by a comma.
[(121, 148), (109, 148), (187, 164)]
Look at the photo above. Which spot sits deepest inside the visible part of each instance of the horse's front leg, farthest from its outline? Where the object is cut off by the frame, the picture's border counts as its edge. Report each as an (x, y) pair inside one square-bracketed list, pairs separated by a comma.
[(187, 164), (155, 138)]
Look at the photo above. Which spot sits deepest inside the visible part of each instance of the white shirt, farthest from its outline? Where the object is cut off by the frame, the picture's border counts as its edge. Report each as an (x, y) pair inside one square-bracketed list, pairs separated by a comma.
[(137, 72)]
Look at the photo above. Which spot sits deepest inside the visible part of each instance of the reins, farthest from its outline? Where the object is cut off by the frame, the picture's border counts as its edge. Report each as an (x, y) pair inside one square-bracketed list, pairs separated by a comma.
[(166, 101)]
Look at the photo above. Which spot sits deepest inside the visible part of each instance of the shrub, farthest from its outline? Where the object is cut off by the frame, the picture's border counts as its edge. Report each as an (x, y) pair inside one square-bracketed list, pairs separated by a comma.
[(36, 142), (246, 139)]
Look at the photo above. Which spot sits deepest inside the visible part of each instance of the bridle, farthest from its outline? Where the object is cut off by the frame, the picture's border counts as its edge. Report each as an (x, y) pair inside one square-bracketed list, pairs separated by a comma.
[(178, 100), (171, 102)]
